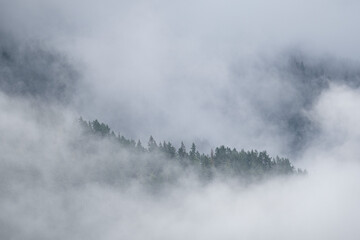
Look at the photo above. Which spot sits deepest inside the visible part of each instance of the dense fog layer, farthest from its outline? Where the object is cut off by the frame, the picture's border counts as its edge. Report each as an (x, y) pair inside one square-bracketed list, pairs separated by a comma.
[(281, 76), (53, 185)]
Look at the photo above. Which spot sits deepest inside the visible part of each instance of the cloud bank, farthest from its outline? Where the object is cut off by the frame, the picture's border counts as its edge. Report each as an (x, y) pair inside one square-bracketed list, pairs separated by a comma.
[(281, 76)]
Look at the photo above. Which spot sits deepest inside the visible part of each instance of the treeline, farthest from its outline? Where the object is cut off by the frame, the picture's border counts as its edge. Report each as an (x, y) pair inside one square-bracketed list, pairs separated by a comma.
[(222, 160)]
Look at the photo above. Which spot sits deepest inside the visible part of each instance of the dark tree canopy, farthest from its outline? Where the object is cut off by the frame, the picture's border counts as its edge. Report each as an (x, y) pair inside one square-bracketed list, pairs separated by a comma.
[(224, 160)]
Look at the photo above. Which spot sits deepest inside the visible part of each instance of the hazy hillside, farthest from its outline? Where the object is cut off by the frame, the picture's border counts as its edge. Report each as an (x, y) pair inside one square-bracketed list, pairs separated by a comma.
[(216, 120)]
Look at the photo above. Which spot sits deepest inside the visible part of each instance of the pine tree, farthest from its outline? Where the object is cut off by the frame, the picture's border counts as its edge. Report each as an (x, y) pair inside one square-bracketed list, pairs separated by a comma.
[(152, 146), (170, 150), (182, 151), (139, 146), (192, 152)]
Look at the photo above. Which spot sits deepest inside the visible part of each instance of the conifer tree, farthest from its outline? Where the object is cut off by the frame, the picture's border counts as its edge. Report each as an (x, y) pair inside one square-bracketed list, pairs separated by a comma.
[(182, 151), (152, 146), (192, 152)]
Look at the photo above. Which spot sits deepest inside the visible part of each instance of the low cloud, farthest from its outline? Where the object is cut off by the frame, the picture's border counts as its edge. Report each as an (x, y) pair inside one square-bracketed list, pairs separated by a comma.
[(280, 76)]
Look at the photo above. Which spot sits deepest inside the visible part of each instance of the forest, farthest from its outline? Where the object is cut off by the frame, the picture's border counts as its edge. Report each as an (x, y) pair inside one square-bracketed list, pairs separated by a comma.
[(162, 162)]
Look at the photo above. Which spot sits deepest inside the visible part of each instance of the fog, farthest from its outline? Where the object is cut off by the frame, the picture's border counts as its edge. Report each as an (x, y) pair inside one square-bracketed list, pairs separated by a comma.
[(281, 76)]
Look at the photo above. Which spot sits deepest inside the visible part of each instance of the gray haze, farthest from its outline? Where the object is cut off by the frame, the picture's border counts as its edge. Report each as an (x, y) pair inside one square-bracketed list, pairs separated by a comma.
[(276, 75), (149, 67)]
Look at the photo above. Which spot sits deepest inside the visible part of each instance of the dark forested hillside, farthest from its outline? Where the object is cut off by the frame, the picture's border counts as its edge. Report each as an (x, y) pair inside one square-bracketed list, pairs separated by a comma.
[(33, 70), (159, 162)]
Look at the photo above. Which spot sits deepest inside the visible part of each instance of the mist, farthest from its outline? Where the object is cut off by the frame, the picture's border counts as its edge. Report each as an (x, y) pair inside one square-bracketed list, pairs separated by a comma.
[(280, 76)]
